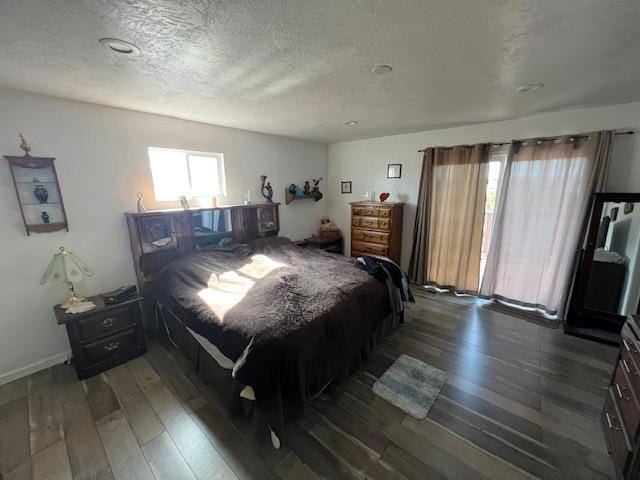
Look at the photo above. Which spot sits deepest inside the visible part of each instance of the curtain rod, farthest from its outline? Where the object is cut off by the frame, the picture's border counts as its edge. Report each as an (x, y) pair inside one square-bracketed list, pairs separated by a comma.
[(630, 132)]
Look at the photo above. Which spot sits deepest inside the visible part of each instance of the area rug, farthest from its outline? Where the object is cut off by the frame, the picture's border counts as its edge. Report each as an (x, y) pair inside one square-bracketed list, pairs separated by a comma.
[(411, 385), (530, 316)]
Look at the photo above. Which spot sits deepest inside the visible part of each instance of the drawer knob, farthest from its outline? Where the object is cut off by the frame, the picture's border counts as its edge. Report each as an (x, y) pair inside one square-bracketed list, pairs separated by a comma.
[(108, 322), (627, 347), (610, 423), (111, 346)]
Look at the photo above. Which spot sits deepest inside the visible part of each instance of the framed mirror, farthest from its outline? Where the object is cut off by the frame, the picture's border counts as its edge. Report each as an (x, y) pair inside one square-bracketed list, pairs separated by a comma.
[(210, 227), (606, 289)]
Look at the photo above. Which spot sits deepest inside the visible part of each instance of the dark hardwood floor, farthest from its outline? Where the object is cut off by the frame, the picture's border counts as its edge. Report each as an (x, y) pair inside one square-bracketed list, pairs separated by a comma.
[(521, 401)]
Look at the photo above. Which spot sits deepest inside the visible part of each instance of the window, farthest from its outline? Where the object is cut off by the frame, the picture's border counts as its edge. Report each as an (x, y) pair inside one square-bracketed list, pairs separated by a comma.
[(192, 174)]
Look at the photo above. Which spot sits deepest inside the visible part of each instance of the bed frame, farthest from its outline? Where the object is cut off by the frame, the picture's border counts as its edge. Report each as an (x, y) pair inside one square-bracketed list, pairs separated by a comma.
[(159, 237)]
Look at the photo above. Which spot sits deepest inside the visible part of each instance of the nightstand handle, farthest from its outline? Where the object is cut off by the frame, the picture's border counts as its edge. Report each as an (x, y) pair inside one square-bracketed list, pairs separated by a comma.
[(111, 346), (610, 423), (626, 345), (626, 367), (108, 322)]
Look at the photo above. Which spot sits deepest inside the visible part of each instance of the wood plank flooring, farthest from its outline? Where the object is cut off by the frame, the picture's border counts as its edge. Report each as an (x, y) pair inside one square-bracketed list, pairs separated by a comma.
[(521, 401)]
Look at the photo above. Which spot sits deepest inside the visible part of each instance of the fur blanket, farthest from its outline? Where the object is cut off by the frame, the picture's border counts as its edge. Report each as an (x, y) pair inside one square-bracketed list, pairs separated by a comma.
[(291, 318)]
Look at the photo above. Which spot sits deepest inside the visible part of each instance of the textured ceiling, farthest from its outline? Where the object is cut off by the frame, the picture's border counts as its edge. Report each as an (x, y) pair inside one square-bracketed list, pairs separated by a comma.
[(300, 68)]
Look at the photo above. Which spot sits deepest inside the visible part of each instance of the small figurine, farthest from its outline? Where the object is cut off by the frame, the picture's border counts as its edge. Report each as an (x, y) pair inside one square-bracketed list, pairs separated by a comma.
[(307, 187), (41, 193), (140, 203), (269, 190), (45, 217), (316, 189), (24, 145)]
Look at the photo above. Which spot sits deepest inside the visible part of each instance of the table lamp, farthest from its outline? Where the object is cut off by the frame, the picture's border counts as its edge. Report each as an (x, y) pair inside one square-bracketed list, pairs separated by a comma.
[(65, 267)]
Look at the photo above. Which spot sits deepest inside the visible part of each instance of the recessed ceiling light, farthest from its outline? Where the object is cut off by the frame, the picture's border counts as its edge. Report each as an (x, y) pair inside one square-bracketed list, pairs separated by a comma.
[(381, 69), (121, 47), (529, 87), (350, 123)]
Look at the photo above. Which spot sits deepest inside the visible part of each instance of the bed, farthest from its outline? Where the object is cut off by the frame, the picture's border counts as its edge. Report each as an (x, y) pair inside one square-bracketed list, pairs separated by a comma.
[(268, 323)]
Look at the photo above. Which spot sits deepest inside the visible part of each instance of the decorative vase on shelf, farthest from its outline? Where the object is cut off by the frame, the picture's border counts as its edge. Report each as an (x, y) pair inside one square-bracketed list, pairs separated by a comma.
[(45, 217), (41, 193)]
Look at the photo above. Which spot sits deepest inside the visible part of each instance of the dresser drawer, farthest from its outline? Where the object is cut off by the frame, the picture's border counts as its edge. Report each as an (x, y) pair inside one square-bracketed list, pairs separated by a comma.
[(110, 347), (365, 211), (384, 224), (105, 324), (369, 236), (371, 211), (367, 222), (615, 436), (367, 248), (626, 400)]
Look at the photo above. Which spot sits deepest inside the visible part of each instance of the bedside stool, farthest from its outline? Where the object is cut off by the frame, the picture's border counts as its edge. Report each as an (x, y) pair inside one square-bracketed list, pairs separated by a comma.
[(104, 337)]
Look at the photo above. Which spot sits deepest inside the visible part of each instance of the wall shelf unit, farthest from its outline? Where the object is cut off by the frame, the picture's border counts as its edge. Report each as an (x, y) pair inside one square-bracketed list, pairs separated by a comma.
[(290, 197)]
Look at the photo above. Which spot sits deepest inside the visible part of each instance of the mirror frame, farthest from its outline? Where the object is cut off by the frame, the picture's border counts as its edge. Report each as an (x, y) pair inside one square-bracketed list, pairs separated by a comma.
[(580, 320)]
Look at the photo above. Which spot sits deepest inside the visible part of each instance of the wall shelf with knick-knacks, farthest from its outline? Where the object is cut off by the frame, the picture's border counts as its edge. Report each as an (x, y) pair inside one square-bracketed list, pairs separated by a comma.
[(38, 191)]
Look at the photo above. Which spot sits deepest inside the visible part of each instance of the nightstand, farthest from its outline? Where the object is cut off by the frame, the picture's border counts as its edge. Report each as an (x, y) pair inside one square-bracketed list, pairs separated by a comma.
[(329, 244), (105, 336)]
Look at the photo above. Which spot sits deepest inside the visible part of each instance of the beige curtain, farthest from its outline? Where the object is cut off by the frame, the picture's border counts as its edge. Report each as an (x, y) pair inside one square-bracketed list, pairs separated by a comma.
[(448, 228), (544, 194)]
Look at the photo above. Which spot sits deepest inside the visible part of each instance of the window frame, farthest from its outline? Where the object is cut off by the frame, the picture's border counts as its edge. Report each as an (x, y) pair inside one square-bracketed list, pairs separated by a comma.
[(219, 159)]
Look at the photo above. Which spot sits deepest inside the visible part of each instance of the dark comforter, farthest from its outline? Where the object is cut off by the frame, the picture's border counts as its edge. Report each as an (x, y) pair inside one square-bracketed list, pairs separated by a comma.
[(292, 319)]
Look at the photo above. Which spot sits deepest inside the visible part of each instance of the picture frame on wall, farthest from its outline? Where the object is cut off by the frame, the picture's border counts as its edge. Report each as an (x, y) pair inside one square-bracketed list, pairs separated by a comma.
[(345, 187), (394, 170)]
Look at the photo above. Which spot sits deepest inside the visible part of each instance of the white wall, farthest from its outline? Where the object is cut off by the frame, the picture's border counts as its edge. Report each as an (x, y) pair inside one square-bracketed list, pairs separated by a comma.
[(101, 163), (364, 162)]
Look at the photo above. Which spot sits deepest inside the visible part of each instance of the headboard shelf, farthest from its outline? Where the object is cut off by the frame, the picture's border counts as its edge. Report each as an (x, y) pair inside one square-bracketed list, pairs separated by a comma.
[(159, 237), (201, 209)]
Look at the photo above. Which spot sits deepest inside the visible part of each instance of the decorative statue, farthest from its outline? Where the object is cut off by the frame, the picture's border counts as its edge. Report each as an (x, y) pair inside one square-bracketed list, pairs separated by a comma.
[(316, 189), (45, 217), (24, 145), (307, 187), (140, 203), (266, 187)]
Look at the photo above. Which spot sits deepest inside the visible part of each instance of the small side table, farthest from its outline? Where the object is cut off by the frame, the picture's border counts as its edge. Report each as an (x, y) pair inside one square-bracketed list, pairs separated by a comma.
[(104, 337), (328, 244)]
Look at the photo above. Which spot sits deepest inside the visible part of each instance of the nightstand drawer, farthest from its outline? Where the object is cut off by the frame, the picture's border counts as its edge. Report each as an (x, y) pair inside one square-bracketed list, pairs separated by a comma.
[(105, 324), (109, 347)]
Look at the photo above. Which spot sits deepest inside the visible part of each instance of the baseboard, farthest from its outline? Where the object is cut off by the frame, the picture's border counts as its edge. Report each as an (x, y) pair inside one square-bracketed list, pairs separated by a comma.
[(34, 367)]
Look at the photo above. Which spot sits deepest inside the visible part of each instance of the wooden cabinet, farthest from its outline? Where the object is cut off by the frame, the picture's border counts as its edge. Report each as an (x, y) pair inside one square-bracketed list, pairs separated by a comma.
[(376, 229), (621, 412), (104, 337)]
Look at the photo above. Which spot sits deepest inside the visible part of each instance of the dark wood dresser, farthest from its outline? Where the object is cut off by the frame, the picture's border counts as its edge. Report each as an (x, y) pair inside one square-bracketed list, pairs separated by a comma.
[(105, 336), (376, 229), (621, 413)]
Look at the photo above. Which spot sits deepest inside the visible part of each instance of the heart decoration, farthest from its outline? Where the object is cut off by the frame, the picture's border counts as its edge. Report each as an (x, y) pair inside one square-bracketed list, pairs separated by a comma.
[(384, 196)]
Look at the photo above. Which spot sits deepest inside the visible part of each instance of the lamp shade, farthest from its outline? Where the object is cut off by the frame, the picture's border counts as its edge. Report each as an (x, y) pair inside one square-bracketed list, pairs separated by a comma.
[(65, 267)]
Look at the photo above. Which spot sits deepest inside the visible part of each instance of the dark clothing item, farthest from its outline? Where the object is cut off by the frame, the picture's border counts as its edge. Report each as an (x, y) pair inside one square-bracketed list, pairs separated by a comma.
[(389, 273)]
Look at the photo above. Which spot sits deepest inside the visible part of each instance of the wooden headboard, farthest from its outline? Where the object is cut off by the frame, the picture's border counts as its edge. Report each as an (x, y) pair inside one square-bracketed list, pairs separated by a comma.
[(159, 237)]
